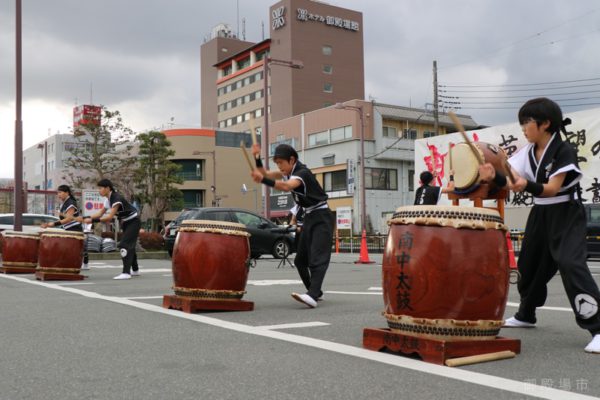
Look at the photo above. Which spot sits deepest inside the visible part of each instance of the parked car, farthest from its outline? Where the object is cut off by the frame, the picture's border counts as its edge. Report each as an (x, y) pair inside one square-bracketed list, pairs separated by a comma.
[(593, 230), (266, 236), (31, 222)]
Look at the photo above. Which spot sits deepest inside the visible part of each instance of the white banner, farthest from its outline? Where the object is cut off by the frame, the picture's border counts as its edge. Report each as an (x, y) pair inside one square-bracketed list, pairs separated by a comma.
[(344, 217), (350, 176), (583, 133)]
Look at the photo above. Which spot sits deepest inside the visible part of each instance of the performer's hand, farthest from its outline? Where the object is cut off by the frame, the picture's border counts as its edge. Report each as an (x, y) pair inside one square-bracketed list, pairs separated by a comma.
[(79, 219), (87, 220), (256, 176), (487, 172), (44, 225), (256, 150), (451, 185), (518, 185)]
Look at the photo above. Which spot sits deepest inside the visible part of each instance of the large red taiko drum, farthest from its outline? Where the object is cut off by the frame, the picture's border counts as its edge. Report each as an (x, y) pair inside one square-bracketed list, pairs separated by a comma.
[(446, 272), (20, 250), (61, 251), (211, 260)]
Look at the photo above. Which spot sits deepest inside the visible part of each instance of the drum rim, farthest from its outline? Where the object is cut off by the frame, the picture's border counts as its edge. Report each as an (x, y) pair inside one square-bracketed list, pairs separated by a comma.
[(32, 235), (212, 223), (57, 232)]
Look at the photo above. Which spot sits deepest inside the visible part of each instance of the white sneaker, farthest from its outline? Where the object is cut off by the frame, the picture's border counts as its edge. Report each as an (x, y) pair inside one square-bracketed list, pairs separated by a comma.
[(512, 322), (85, 267), (135, 273), (594, 345), (306, 299), (122, 276)]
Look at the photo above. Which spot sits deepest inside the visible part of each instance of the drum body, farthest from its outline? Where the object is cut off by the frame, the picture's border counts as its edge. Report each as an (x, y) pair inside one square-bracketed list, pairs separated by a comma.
[(20, 249), (446, 272), (61, 251), (211, 260), (466, 166)]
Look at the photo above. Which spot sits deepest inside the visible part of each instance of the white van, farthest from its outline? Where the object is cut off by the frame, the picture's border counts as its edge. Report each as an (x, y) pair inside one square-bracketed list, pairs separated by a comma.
[(31, 222)]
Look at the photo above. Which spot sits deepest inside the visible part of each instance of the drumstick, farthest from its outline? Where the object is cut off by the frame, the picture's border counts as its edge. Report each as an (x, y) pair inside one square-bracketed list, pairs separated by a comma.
[(460, 128), (253, 133), (509, 172), (450, 156), (500, 355), (243, 147)]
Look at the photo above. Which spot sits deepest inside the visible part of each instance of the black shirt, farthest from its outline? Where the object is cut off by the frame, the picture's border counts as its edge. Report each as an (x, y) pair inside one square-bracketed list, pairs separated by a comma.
[(125, 211), (64, 207), (309, 195), (427, 195)]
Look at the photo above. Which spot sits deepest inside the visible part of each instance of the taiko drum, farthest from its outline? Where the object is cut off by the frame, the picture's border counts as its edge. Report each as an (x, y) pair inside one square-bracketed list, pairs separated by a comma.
[(446, 272), (20, 249), (211, 260), (61, 251), (466, 165)]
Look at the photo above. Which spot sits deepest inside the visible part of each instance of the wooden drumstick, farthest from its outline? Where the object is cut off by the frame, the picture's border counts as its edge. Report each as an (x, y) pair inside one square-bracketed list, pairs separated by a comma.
[(509, 172), (253, 133), (243, 147), (450, 156), (500, 355), (461, 129)]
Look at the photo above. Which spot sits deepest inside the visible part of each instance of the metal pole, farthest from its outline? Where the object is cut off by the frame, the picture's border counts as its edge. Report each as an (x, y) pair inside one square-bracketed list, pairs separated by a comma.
[(363, 208), (45, 177), (214, 157), (265, 132), (436, 117), (18, 195)]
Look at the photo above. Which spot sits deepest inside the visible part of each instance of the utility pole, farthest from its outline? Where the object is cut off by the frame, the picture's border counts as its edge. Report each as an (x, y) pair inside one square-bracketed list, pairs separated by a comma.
[(436, 119), (18, 221)]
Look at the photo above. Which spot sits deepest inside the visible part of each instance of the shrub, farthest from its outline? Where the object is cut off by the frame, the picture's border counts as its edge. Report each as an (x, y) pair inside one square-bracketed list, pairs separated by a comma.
[(152, 241)]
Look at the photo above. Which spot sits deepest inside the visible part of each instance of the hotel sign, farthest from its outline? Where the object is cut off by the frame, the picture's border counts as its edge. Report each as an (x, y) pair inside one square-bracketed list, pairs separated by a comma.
[(278, 16), (304, 15)]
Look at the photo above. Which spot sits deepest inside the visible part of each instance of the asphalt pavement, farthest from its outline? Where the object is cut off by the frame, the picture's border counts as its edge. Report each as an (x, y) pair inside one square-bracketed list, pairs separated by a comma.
[(105, 339)]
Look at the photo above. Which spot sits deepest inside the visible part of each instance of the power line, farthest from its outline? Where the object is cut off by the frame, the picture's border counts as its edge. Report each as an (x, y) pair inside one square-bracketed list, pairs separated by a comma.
[(524, 84), (518, 90), (520, 96)]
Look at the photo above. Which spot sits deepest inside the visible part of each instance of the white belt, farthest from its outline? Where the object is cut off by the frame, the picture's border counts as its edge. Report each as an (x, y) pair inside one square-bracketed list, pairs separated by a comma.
[(129, 218), (542, 201), (319, 206)]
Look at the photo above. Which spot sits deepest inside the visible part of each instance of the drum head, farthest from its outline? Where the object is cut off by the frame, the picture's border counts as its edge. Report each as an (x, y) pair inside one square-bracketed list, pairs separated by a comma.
[(464, 164), (32, 235)]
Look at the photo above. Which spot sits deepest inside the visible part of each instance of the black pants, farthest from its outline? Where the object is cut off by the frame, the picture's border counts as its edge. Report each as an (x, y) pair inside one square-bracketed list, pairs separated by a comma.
[(555, 241), (131, 231), (79, 228), (314, 250)]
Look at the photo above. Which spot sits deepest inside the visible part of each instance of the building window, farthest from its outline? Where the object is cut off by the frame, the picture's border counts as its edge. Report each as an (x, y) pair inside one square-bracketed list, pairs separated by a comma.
[(409, 134), (193, 198), (244, 63), (327, 50), (411, 180), (328, 88), (390, 131), (381, 179), (227, 70), (341, 133), (318, 138), (334, 181), (327, 69), (328, 159), (427, 134)]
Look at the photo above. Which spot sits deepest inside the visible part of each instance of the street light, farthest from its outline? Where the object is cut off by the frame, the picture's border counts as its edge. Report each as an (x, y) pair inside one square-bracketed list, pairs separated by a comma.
[(44, 148), (295, 64), (363, 208)]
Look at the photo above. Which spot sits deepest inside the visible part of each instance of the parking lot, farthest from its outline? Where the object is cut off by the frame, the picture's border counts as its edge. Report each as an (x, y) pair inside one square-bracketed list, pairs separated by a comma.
[(106, 339)]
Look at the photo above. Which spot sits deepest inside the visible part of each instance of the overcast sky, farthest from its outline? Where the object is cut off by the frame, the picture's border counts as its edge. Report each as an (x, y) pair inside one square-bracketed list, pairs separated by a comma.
[(141, 57)]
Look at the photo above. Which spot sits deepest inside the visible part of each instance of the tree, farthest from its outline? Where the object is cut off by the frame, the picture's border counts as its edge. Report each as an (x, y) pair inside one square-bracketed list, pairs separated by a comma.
[(101, 150), (155, 176)]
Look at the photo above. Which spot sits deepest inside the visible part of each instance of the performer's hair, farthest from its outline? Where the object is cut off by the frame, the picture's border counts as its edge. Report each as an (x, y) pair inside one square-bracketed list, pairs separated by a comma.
[(426, 177), (285, 152), (543, 109), (66, 189), (106, 183)]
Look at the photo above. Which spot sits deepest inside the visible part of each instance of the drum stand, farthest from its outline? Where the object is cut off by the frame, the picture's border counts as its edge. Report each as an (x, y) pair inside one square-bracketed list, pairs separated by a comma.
[(437, 351), (480, 194), (192, 305), (285, 260), (42, 275)]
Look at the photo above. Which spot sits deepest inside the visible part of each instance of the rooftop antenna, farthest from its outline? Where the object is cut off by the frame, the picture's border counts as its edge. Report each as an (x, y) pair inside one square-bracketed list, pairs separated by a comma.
[(262, 27), (238, 17), (243, 28), (91, 93)]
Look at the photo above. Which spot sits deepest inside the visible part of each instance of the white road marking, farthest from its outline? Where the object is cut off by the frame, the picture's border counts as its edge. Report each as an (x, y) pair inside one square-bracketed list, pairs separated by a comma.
[(143, 297), (291, 326), (375, 288), (74, 283), (271, 282), (477, 378), (144, 270), (167, 274)]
